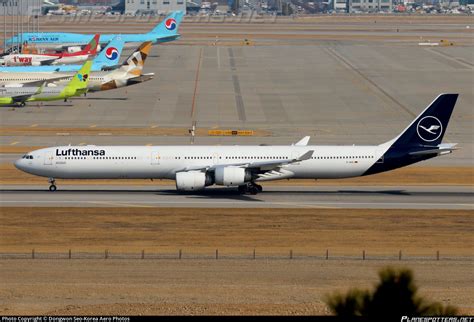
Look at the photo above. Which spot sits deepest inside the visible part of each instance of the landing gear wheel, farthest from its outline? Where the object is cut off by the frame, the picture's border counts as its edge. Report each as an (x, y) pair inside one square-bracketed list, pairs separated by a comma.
[(253, 190), (250, 188), (52, 187)]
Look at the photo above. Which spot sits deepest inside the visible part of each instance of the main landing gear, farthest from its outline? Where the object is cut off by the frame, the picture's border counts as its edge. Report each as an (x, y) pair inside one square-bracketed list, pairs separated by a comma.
[(250, 188), (52, 187)]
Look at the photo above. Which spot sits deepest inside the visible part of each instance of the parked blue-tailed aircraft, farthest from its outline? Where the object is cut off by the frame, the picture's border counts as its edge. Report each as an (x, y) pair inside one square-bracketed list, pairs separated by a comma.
[(108, 58), (166, 30)]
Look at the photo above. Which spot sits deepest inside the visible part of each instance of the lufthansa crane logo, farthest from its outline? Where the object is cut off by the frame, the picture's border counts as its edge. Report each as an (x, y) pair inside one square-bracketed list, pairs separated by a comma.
[(429, 128)]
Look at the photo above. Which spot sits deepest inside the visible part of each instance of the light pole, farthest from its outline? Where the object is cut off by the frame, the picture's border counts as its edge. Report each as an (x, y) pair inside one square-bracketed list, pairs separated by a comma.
[(17, 26), (21, 25), (4, 5)]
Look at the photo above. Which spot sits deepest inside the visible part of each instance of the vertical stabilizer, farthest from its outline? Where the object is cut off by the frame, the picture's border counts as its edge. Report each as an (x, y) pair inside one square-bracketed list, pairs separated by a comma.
[(429, 127), (80, 80), (168, 26), (110, 55)]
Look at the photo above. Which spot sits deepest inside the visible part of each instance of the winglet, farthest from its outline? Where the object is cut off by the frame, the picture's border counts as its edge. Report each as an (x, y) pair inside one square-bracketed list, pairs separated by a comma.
[(303, 142), (306, 156), (40, 88)]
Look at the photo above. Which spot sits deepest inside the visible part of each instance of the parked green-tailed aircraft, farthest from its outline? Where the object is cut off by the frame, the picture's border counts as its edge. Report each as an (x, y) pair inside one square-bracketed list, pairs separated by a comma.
[(39, 91)]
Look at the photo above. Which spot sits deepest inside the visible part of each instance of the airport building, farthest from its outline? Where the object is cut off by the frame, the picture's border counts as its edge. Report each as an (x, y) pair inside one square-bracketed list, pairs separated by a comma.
[(137, 7), (22, 8), (370, 5), (355, 6)]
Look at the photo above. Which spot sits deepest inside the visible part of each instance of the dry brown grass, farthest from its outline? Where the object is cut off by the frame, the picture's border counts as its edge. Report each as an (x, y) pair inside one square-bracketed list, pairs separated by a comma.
[(238, 231), (115, 131), (208, 287), (224, 286)]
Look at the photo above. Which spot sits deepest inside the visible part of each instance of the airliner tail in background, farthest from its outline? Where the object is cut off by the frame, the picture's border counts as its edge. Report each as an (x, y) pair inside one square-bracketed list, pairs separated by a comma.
[(169, 25)]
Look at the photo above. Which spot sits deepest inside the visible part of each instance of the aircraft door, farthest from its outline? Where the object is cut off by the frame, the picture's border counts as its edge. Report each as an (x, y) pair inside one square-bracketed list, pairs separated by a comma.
[(380, 154), (48, 158), (155, 158), (215, 158)]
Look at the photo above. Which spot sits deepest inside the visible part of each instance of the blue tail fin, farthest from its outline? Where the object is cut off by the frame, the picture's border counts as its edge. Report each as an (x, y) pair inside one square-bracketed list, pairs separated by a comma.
[(170, 25), (110, 55), (429, 127)]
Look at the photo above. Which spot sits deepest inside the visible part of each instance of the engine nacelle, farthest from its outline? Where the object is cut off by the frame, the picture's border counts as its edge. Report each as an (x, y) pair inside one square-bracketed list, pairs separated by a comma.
[(73, 49), (231, 176), (35, 63), (192, 180)]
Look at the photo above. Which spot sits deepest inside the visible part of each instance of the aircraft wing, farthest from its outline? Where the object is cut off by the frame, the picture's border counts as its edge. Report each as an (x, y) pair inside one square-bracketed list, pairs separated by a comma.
[(24, 97), (21, 98), (260, 166), (274, 164), (41, 82)]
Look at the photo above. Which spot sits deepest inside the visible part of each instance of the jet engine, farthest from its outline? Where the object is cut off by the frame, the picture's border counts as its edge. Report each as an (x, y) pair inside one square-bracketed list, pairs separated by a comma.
[(231, 176), (192, 180)]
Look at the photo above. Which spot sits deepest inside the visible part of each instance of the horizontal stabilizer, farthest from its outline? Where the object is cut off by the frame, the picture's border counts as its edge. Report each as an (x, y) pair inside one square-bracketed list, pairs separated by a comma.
[(109, 68), (140, 79), (48, 62), (441, 149)]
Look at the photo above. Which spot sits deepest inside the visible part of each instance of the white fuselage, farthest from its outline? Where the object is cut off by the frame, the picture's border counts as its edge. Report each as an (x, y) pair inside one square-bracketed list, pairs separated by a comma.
[(38, 59), (96, 79), (163, 162)]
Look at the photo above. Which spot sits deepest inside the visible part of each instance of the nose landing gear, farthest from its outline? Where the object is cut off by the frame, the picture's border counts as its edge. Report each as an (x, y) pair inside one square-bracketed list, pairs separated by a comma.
[(250, 188), (52, 187)]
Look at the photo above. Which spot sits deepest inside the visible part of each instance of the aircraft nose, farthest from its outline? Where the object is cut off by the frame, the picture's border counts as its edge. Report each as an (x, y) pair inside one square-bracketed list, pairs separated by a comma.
[(19, 164)]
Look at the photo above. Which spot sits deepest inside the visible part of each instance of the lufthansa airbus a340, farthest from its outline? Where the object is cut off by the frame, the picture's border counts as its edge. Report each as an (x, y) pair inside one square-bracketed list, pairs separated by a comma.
[(195, 167)]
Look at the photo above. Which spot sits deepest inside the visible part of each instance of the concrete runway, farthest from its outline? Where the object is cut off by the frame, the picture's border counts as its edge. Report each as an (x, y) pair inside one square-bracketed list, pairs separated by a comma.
[(375, 197)]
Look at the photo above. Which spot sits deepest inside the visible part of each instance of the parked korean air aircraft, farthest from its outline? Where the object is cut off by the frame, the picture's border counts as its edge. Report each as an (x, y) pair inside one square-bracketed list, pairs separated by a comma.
[(195, 167), (166, 30), (20, 95), (53, 59), (108, 58), (129, 73)]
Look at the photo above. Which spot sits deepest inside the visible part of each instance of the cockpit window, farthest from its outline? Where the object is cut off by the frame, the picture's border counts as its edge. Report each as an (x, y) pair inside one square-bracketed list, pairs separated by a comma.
[(26, 156)]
